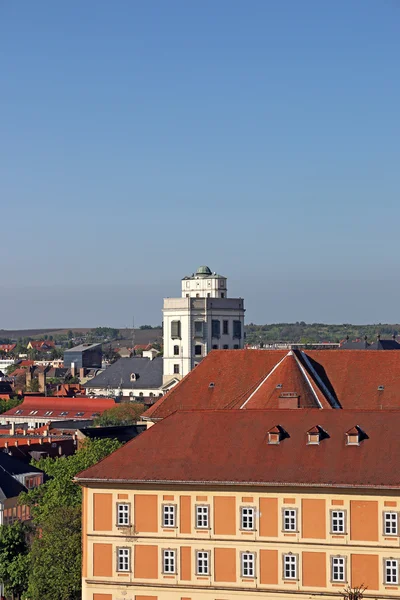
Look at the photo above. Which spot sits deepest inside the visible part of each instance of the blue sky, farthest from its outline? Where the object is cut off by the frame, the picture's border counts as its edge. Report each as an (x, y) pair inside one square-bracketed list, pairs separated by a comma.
[(139, 139)]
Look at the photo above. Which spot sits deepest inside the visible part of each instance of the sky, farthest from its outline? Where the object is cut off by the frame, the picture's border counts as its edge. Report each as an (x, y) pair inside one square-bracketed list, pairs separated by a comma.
[(140, 139)]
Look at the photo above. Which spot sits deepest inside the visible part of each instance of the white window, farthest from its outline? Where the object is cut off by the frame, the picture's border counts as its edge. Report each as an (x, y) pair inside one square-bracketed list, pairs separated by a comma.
[(168, 515), (203, 563), (122, 514), (169, 561), (391, 571), (247, 517), (202, 517), (289, 566), (289, 519), (123, 559), (390, 520), (338, 521), (248, 561), (338, 568)]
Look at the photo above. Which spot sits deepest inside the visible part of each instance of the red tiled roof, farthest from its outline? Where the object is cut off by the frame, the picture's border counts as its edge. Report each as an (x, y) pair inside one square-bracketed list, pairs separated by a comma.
[(287, 381), (7, 347), (232, 446), (42, 406), (39, 344), (142, 347), (246, 378), (26, 363)]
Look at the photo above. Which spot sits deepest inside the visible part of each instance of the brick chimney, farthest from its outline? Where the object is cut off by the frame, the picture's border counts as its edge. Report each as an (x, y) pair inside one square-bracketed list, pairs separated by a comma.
[(28, 376), (42, 382)]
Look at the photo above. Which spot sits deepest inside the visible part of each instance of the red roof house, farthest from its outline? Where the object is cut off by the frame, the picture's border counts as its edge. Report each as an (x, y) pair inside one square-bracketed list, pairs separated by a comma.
[(260, 379)]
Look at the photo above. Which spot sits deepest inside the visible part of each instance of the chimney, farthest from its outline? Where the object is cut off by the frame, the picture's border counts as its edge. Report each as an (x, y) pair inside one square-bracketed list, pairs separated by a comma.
[(42, 382), (73, 369), (82, 372), (12, 431), (28, 377)]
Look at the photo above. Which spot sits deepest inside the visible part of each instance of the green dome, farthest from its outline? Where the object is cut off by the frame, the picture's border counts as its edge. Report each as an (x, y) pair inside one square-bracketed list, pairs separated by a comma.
[(203, 271)]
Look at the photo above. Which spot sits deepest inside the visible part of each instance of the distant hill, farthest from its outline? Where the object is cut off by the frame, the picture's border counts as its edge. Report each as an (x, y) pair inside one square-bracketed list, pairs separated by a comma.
[(300, 332), (142, 336), (308, 333)]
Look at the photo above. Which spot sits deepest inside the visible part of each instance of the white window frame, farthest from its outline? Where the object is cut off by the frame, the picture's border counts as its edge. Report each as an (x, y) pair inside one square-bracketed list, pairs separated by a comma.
[(391, 571), (169, 561), (290, 561), (169, 515), (291, 515), (123, 514), (203, 562), (202, 516), (391, 522), (247, 518), (248, 563), (340, 521), (338, 563), (123, 560)]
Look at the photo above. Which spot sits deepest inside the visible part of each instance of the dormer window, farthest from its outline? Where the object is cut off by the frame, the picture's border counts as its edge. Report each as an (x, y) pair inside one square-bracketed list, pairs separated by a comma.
[(315, 435), (355, 436), (276, 435), (133, 377)]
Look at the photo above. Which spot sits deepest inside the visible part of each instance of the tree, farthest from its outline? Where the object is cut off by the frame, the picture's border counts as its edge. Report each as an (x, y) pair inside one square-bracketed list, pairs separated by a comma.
[(34, 385), (14, 558), (55, 558), (55, 555), (122, 414)]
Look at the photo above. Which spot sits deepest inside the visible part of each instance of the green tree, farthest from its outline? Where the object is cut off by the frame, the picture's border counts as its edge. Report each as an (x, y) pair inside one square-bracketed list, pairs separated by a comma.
[(34, 385), (14, 558), (55, 556), (122, 414)]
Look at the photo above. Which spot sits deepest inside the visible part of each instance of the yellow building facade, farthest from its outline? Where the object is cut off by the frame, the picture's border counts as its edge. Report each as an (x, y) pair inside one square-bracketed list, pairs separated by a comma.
[(215, 505), (218, 544)]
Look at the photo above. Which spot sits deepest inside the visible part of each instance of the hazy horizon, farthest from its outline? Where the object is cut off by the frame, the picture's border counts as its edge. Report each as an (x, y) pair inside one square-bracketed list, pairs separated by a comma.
[(142, 139)]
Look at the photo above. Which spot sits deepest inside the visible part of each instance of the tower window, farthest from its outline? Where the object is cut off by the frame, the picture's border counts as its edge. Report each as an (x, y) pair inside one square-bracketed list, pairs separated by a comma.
[(176, 350), (175, 329), (222, 295), (215, 347), (176, 369), (198, 328), (225, 327), (237, 329), (226, 347), (216, 328), (197, 350)]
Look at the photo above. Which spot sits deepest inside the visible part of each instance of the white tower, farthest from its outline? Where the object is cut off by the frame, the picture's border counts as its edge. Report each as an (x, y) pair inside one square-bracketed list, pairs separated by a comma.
[(203, 319)]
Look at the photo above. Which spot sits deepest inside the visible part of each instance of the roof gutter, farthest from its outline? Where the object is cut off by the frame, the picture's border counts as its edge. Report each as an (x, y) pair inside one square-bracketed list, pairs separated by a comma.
[(236, 483)]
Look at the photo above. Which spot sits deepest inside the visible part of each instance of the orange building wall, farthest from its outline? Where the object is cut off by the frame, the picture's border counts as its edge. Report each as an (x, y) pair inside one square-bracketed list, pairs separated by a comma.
[(365, 571), (364, 520), (146, 562), (185, 514), (102, 512), (269, 567), (186, 563), (225, 515), (225, 564), (313, 518), (314, 569), (146, 513), (102, 560), (269, 517)]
